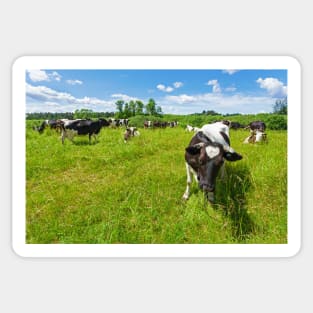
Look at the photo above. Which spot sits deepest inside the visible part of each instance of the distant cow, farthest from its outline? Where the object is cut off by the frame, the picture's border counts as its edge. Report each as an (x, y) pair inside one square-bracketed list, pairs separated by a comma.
[(256, 125), (256, 136), (130, 132), (82, 127), (53, 124), (190, 128), (236, 125), (147, 124), (205, 155)]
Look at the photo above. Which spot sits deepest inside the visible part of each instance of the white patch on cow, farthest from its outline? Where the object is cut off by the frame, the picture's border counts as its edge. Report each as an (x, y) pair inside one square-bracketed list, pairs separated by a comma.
[(212, 151), (259, 136)]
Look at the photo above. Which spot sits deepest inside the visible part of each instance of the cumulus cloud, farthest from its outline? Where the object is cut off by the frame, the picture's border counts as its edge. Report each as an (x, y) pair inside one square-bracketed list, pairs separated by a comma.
[(165, 88), (273, 86), (124, 97), (222, 103), (37, 75), (42, 98), (177, 84), (74, 82), (40, 75), (216, 86)]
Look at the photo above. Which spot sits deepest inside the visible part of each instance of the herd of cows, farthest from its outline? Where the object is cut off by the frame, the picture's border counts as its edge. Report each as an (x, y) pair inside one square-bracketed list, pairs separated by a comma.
[(204, 156)]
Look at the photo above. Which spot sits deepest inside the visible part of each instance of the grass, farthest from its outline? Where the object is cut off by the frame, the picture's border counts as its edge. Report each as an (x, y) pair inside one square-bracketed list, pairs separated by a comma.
[(112, 192)]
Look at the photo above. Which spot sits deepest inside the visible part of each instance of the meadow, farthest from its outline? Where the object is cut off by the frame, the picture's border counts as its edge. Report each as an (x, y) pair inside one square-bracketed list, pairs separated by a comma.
[(115, 192)]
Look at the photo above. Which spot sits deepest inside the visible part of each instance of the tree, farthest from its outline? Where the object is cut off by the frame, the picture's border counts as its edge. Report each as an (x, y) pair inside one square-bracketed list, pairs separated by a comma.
[(119, 105), (139, 107), (159, 110), (126, 112), (151, 107), (83, 113), (132, 107), (280, 106)]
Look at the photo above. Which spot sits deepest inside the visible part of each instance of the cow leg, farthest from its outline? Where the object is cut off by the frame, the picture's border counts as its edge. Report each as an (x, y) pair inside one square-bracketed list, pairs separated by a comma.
[(189, 181), (63, 134)]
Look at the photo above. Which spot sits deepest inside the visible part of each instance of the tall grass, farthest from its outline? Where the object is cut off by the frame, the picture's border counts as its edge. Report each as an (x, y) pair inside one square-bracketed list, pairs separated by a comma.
[(112, 192)]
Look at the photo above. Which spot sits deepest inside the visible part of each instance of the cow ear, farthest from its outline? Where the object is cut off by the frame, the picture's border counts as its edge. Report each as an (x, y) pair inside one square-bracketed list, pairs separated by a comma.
[(232, 156)]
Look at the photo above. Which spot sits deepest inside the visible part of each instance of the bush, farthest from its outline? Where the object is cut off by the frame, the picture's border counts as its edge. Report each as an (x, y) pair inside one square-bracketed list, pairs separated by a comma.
[(277, 122)]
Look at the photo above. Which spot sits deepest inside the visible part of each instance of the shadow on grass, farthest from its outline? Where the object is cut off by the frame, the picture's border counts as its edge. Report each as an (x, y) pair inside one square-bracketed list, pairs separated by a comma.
[(84, 142), (231, 198)]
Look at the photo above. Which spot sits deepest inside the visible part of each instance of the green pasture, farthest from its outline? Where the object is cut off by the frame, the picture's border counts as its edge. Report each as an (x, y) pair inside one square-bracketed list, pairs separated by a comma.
[(112, 192)]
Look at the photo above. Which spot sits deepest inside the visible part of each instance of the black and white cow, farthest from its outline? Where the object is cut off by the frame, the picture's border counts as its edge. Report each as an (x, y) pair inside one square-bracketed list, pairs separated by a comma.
[(205, 155), (130, 132), (190, 128), (53, 124), (256, 136), (72, 128), (256, 125)]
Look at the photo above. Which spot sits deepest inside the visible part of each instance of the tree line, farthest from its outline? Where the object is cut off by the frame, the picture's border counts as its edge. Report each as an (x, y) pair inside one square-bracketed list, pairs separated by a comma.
[(134, 108)]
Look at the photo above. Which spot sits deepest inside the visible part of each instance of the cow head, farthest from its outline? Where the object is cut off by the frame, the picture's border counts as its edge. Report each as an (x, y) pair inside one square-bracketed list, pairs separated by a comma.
[(206, 158)]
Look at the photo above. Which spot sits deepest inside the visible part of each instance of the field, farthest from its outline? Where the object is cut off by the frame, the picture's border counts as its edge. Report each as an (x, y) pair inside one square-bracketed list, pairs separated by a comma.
[(112, 192)]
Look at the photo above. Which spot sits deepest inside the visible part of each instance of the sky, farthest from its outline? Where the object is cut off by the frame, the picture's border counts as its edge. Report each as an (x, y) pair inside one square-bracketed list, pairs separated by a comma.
[(175, 91)]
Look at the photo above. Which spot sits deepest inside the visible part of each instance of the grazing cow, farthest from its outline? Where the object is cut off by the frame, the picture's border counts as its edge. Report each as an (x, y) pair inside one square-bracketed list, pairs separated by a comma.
[(147, 124), (130, 132), (82, 127), (205, 155), (236, 125), (256, 125), (53, 124), (256, 136)]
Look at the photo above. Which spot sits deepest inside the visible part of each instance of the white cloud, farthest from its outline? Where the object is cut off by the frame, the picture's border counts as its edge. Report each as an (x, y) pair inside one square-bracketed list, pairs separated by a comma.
[(44, 99), (230, 72), (221, 103), (178, 84), (56, 76), (273, 86), (124, 97), (165, 88), (216, 86), (40, 75), (74, 82)]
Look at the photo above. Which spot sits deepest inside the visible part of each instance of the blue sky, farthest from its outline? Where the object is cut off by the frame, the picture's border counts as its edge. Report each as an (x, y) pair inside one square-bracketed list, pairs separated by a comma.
[(176, 91)]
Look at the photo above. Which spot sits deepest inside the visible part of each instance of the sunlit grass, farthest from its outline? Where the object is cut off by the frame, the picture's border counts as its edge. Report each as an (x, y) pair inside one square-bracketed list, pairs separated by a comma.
[(112, 192)]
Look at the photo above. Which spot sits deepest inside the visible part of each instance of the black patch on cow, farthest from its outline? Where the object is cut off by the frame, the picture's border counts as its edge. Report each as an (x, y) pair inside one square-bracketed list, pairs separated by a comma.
[(202, 137), (226, 138)]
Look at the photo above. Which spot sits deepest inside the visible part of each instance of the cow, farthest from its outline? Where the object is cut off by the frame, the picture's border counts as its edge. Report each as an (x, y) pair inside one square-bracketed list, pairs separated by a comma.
[(53, 124), (236, 125), (130, 132), (190, 128), (205, 156), (82, 127), (256, 125), (256, 136), (147, 124)]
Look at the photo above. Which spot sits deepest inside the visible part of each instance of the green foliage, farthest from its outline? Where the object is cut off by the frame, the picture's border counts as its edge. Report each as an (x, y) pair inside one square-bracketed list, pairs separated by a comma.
[(277, 122), (111, 192)]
